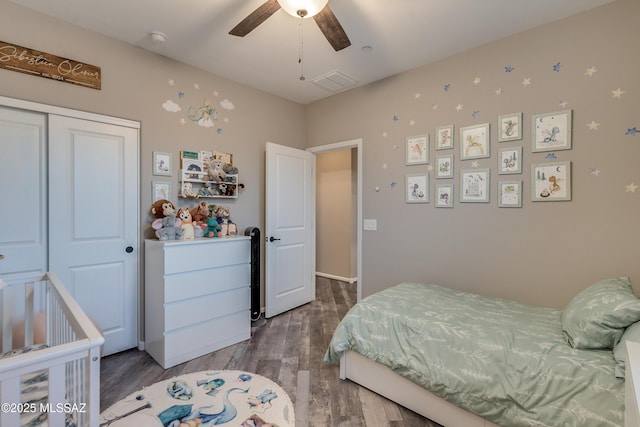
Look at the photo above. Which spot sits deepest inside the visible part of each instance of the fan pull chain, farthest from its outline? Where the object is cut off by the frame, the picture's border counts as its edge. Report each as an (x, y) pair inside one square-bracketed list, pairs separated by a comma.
[(301, 54)]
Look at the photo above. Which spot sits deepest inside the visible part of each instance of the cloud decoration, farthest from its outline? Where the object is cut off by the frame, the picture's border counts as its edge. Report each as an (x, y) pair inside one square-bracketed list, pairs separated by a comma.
[(171, 106), (227, 105), (632, 131)]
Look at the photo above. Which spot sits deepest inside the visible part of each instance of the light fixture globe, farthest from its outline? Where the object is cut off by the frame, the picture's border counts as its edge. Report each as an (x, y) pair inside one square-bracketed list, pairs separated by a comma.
[(312, 7)]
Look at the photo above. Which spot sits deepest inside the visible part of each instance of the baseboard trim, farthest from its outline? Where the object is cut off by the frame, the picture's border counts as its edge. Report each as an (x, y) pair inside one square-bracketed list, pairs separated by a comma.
[(334, 277)]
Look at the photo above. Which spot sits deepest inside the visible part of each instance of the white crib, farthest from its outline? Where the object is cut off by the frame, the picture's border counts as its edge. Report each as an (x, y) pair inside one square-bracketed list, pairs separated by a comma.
[(69, 363)]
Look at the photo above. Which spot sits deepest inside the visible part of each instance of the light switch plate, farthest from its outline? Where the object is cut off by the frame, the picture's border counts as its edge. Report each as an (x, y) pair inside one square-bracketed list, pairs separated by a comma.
[(370, 224)]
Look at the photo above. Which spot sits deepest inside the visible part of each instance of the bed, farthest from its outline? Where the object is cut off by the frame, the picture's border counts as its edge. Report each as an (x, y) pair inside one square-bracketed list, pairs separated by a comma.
[(50, 373), (462, 359)]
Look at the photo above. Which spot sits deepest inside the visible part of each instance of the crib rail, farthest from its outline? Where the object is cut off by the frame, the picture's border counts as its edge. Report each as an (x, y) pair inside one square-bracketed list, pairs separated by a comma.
[(71, 361)]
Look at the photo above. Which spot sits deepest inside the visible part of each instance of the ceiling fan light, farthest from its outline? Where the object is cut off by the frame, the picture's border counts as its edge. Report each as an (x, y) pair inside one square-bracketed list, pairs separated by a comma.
[(313, 7)]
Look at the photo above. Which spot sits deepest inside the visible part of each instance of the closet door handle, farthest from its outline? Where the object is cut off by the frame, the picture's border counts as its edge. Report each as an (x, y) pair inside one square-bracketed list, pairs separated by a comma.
[(129, 249), (273, 239)]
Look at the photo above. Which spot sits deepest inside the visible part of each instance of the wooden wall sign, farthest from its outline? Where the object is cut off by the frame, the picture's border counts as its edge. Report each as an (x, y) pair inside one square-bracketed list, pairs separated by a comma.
[(34, 62)]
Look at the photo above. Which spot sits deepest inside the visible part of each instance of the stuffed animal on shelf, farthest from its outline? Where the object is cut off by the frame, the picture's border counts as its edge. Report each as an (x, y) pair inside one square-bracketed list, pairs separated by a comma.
[(215, 171), (200, 212), (187, 190), (187, 224), (166, 225)]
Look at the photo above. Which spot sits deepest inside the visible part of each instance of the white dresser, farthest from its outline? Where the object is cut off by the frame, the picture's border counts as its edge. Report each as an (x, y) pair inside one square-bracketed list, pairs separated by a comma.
[(197, 296)]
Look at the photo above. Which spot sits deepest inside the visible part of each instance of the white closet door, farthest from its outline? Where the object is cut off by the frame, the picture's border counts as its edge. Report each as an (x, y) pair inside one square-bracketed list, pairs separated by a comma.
[(93, 222), (23, 234)]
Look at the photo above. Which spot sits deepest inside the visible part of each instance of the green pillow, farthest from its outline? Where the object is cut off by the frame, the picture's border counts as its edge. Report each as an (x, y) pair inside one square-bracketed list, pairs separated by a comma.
[(632, 333), (596, 317)]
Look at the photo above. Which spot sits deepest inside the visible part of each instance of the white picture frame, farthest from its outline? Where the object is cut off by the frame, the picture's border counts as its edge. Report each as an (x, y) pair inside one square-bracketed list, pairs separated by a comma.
[(160, 190), (417, 188), (510, 194), (444, 166), (551, 131), (475, 142), (444, 196), (509, 160), (162, 163), (510, 127), (551, 181), (474, 185), (417, 150), (444, 137)]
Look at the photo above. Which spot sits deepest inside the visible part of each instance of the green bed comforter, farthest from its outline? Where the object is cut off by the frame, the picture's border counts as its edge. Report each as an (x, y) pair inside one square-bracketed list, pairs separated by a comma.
[(504, 361)]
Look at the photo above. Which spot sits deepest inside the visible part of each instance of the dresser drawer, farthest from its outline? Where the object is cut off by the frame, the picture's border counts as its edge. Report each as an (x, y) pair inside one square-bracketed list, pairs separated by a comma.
[(206, 253), (187, 312), (183, 286)]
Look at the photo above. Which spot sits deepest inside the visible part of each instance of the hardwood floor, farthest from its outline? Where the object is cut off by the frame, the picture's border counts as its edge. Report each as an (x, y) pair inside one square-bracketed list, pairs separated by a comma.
[(289, 351)]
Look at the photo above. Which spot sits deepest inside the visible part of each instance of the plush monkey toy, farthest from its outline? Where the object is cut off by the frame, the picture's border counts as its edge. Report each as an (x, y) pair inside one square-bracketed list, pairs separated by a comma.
[(162, 208)]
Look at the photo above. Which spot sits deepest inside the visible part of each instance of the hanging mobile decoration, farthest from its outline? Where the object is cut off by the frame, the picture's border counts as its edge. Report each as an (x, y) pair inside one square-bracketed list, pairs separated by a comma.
[(301, 13)]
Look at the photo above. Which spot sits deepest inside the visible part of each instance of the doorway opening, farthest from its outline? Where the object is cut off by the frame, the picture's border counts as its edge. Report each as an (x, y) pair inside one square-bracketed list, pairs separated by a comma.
[(349, 154)]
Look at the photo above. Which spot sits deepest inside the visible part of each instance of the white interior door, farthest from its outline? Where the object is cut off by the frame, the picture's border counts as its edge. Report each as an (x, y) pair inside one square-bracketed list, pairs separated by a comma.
[(290, 228), (93, 222), (23, 233)]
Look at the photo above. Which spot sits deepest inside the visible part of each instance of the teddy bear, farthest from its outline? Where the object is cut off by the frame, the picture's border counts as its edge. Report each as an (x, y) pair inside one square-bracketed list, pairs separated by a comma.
[(215, 171), (166, 225), (187, 224), (200, 212), (187, 190)]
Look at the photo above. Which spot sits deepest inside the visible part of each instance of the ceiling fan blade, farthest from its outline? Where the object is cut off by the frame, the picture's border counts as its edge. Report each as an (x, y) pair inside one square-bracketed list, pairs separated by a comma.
[(331, 28), (255, 18)]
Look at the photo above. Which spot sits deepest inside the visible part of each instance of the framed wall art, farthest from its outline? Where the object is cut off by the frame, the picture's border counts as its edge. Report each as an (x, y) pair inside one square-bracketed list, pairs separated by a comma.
[(417, 150), (510, 160), (475, 142), (510, 127), (417, 188), (444, 166), (510, 194), (550, 181), (162, 163), (444, 137), (444, 196), (474, 185), (160, 190), (551, 131)]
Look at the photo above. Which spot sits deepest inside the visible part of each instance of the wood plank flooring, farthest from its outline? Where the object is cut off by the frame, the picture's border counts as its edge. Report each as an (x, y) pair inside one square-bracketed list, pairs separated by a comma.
[(288, 350)]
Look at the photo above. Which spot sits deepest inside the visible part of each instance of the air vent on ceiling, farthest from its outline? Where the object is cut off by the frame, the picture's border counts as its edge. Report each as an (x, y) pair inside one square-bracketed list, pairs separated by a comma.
[(334, 81)]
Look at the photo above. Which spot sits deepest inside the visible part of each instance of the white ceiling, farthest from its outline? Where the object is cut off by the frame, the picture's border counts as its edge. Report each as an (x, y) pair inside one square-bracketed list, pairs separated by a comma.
[(403, 34)]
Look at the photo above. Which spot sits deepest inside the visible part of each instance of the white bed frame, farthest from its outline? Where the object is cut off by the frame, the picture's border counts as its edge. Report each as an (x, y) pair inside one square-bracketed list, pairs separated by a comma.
[(72, 358), (385, 382)]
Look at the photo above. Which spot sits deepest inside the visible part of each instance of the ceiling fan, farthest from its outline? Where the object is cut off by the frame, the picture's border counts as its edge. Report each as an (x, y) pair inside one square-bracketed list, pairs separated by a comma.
[(319, 10)]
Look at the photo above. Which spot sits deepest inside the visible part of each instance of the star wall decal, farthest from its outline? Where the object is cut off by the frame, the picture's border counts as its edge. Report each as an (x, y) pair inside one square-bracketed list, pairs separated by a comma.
[(526, 81), (563, 103), (593, 125), (632, 131), (551, 156), (181, 94), (429, 168), (385, 166), (196, 86), (395, 118), (556, 67), (595, 172), (475, 164), (590, 71), (631, 188), (393, 184), (447, 87), (459, 107), (385, 134), (183, 121), (417, 96), (171, 82), (508, 69), (412, 122), (434, 107), (618, 93), (476, 81), (499, 91), (475, 114)]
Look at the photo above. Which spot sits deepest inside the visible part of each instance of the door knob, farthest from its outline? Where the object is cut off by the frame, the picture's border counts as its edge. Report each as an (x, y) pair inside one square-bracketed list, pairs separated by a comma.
[(273, 239), (129, 249)]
